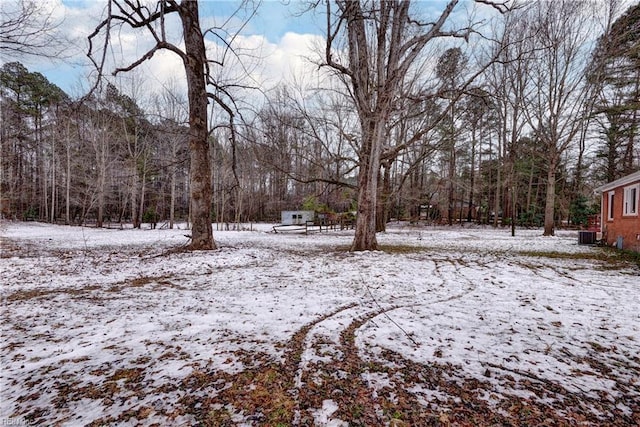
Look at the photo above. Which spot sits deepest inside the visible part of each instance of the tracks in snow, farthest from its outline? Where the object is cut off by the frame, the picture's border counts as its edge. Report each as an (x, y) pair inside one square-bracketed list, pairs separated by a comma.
[(329, 366)]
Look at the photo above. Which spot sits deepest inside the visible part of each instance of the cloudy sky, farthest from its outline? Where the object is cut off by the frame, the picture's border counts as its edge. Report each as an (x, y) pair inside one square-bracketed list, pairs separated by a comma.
[(273, 43), (275, 40), (276, 43)]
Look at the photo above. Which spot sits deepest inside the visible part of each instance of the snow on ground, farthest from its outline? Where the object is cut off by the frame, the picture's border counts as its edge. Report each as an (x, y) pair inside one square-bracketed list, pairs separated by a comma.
[(117, 327)]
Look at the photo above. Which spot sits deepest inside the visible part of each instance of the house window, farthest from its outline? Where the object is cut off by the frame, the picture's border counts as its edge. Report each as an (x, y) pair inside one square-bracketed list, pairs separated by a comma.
[(610, 205), (630, 200)]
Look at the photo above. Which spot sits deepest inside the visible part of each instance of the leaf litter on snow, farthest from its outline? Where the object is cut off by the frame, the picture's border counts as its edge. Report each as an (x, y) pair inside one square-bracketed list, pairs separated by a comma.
[(444, 326)]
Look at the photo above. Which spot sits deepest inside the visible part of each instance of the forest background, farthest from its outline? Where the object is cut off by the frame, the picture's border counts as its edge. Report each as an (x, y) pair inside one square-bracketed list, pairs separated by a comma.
[(511, 104)]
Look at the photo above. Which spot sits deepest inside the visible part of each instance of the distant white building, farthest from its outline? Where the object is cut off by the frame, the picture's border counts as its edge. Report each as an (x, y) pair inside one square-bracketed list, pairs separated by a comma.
[(296, 217)]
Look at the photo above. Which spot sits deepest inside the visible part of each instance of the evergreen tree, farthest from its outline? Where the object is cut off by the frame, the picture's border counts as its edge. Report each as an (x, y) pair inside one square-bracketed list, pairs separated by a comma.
[(616, 74)]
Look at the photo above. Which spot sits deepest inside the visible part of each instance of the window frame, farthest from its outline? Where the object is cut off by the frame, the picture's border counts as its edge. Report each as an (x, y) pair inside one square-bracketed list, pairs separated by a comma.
[(610, 205), (630, 200)]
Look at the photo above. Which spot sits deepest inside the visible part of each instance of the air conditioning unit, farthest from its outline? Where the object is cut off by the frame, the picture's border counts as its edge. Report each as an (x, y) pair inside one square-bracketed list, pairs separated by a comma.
[(586, 237)]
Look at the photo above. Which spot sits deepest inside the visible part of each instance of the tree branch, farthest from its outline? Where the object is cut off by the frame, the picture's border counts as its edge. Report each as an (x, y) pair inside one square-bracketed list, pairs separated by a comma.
[(232, 129), (500, 6), (128, 17), (160, 45), (331, 36)]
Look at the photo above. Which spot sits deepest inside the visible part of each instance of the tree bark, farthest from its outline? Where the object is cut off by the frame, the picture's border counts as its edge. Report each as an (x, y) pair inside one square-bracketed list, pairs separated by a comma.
[(172, 203), (550, 200), (142, 191), (200, 170), (472, 175), (67, 206), (384, 204), (135, 217), (365, 234), (451, 181), (498, 194)]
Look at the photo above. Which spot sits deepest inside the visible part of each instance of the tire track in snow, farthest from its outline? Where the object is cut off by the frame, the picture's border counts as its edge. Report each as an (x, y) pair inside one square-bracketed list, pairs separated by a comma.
[(329, 366)]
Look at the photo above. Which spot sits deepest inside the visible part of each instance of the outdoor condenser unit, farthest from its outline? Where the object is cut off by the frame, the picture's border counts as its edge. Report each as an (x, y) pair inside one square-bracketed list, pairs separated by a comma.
[(586, 237)]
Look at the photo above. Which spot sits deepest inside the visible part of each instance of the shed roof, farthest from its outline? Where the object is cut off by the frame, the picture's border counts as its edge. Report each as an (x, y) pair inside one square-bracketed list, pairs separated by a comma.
[(619, 182)]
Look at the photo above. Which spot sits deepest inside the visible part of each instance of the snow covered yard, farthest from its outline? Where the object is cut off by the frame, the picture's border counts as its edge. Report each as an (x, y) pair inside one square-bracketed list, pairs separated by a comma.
[(446, 326)]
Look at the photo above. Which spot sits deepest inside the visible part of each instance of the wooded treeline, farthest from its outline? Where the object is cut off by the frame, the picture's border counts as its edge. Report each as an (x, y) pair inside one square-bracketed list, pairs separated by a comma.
[(532, 120)]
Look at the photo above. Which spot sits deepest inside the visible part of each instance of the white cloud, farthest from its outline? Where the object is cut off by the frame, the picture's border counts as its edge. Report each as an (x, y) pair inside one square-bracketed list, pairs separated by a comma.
[(255, 61), (282, 62)]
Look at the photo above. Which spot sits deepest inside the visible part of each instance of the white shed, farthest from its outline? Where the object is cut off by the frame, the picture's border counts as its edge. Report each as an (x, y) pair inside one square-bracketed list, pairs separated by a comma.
[(296, 217)]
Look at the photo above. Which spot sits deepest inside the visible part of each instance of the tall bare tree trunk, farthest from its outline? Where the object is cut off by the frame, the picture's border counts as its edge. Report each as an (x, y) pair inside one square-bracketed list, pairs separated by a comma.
[(200, 170), (67, 207), (365, 235), (384, 204), (451, 182), (143, 186), (549, 207), (135, 217), (53, 180), (172, 205), (472, 173), (627, 162), (498, 196), (101, 154)]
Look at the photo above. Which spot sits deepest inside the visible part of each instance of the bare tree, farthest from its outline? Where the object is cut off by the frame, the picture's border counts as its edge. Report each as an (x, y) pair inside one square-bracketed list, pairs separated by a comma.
[(171, 109), (558, 85), (136, 15), (383, 45), (507, 82), (29, 28)]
